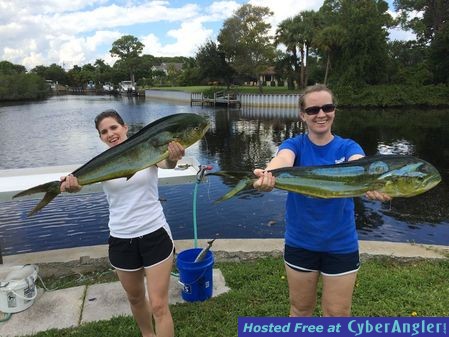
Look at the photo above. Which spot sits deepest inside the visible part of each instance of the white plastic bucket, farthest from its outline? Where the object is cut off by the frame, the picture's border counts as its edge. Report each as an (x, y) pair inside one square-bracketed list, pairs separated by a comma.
[(17, 287)]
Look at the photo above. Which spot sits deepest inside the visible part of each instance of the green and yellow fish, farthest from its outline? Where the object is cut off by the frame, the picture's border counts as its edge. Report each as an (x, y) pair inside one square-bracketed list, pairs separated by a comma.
[(395, 175), (144, 149)]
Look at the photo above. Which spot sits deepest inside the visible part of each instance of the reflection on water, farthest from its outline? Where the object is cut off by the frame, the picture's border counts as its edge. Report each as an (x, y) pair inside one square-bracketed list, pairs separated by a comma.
[(60, 131), (400, 146)]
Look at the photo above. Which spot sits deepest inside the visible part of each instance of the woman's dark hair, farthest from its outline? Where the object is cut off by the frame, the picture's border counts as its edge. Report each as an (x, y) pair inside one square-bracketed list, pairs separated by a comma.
[(314, 88), (108, 113)]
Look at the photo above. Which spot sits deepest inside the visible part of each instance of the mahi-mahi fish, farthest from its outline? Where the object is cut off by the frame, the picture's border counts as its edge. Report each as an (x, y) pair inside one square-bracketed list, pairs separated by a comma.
[(144, 149), (395, 175)]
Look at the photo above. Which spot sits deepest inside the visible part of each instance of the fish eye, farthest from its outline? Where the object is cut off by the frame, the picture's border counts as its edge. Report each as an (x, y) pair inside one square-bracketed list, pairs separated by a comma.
[(378, 167)]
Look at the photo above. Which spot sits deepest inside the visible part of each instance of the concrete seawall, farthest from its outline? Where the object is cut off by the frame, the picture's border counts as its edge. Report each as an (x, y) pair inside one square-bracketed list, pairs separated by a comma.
[(246, 100)]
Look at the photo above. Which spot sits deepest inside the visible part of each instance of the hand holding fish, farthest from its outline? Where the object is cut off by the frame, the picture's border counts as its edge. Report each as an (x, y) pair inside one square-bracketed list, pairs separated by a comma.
[(175, 152), (265, 182), (377, 195), (70, 184)]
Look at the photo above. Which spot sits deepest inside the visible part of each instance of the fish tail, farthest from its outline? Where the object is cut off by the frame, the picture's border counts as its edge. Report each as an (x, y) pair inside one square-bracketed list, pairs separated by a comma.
[(244, 178), (242, 184), (51, 189)]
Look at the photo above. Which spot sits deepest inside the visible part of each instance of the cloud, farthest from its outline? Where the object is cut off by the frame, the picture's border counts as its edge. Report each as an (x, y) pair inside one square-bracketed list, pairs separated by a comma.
[(77, 32), (398, 33), (188, 37), (285, 9)]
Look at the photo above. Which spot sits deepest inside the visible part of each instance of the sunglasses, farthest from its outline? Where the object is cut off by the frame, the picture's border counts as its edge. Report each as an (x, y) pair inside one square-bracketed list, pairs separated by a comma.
[(313, 110)]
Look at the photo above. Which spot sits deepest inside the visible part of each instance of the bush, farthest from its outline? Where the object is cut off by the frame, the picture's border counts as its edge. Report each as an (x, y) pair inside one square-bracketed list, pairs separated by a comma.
[(22, 87)]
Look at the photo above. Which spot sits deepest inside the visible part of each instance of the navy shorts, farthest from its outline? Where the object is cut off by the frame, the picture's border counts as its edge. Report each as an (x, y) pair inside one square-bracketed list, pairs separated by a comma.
[(140, 252), (327, 263)]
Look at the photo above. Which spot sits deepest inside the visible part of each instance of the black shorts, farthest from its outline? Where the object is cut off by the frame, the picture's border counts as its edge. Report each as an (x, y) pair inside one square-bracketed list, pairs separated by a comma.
[(140, 252), (327, 263)]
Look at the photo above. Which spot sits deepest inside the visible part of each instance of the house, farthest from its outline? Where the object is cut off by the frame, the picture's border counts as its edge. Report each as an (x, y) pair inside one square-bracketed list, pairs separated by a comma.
[(167, 67), (268, 77)]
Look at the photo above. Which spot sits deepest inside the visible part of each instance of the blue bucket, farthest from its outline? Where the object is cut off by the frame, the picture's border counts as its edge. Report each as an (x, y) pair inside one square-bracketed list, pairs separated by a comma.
[(195, 277)]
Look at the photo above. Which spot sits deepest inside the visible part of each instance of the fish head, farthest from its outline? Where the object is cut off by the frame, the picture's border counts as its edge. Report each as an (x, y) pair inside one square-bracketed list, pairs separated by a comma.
[(192, 129), (411, 179)]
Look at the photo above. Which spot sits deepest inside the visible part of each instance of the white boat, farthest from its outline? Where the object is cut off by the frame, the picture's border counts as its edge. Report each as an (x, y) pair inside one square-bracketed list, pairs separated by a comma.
[(127, 88), (108, 87), (90, 85)]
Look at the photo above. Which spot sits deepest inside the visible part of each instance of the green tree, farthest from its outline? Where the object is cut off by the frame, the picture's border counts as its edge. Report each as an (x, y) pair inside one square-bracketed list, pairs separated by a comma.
[(54, 72), (190, 73), (128, 49), (432, 28), (288, 34), (103, 71), (329, 41), (21, 86), (143, 70), (439, 51), (245, 41), (212, 64), (310, 26), (408, 63), (8, 68), (74, 77), (363, 54)]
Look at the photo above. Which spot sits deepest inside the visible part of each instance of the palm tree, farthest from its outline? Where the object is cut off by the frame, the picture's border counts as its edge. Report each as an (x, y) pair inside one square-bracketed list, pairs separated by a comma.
[(310, 26), (328, 40), (289, 35)]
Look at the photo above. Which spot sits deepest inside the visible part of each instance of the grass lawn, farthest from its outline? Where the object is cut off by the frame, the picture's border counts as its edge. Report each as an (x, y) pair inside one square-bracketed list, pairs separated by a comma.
[(385, 287)]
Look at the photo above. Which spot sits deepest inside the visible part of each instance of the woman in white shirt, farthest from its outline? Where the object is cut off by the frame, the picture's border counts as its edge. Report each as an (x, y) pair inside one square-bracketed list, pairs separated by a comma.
[(140, 241)]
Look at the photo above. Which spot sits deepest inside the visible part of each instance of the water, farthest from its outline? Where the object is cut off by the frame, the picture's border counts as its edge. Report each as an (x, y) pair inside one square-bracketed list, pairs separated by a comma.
[(60, 131)]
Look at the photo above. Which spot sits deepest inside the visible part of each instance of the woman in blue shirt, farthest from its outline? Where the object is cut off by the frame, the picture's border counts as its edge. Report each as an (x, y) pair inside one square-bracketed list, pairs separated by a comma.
[(320, 237)]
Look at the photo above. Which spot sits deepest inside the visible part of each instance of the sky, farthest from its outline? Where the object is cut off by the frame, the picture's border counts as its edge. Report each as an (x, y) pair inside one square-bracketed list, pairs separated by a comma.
[(77, 32)]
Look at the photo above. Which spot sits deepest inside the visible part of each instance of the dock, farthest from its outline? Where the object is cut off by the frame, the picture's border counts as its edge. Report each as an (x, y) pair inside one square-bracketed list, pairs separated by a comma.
[(219, 99)]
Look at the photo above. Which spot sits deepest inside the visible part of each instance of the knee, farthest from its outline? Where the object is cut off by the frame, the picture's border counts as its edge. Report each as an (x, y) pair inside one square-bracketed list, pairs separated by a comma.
[(159, 308), (136, 300), (336, 311), (301, 310)]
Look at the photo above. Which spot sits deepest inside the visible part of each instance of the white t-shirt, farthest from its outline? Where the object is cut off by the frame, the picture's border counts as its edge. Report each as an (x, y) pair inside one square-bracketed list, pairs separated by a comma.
[(134, 206)]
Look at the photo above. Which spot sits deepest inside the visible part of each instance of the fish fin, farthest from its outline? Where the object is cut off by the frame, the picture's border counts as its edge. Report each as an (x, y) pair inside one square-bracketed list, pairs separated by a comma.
[(51, 189), (163, 138), (242, 184)]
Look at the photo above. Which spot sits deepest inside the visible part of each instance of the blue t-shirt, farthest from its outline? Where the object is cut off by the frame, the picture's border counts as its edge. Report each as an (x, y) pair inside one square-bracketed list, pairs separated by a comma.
[(325, 225)]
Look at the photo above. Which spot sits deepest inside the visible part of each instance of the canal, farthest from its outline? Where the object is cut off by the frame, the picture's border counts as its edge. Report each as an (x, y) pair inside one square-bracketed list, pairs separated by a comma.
[(60, 131)]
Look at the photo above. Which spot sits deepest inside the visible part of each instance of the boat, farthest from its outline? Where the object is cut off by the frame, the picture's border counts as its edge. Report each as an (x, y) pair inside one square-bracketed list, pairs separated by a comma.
[(127, 88)]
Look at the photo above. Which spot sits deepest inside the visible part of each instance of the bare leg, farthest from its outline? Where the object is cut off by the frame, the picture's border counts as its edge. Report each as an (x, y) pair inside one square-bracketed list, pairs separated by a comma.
[(158, 281), (134, 285), (337, 295), (302, 291)]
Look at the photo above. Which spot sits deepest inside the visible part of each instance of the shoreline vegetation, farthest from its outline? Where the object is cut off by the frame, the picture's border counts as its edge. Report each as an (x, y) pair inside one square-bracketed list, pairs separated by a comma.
[(386, 287), (378, 96)]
